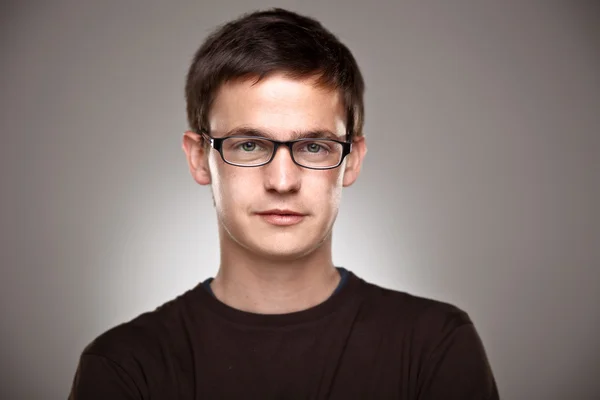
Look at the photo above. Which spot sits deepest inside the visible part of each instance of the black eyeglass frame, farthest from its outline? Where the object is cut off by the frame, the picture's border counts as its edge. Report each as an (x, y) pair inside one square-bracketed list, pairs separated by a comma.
[(217, 144)]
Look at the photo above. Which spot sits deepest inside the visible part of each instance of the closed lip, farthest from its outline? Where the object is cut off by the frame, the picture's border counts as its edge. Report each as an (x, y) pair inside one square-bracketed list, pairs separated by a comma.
[(278, 211)]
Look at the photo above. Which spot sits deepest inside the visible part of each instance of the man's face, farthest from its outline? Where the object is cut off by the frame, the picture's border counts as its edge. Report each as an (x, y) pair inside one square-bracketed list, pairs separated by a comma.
[(248, 200)]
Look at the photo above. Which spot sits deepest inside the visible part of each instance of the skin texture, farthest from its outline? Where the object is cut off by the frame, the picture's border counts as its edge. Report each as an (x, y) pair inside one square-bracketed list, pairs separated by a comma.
[(267, 268)]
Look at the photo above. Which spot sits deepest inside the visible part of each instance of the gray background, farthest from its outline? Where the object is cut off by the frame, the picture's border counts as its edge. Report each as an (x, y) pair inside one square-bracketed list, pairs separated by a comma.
[(481, 186)]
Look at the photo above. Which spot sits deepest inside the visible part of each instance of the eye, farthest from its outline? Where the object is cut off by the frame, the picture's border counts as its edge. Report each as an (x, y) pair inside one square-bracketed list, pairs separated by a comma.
[(317, 147), (313, 147), (248, 146)]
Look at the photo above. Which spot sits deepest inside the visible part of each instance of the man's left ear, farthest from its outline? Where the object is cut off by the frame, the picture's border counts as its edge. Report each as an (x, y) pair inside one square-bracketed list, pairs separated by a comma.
[(354, 160)]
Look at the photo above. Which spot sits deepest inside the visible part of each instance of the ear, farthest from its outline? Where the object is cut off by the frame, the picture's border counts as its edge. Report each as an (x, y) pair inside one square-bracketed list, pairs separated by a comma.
[(195, 152), (354, 160)]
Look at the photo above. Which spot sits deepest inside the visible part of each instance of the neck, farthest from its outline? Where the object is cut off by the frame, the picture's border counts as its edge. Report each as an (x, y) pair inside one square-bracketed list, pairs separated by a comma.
[(260, 284)]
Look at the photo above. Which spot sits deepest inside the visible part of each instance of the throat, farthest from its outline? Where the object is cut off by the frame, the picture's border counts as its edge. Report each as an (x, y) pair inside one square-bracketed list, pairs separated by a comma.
[(275, 296)]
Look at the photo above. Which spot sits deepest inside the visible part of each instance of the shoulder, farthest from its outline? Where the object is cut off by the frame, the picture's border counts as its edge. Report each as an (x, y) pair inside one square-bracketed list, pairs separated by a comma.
[(443, 341), (143, 335), (412, 309), (450, 356), (423, 322), (139, 356)]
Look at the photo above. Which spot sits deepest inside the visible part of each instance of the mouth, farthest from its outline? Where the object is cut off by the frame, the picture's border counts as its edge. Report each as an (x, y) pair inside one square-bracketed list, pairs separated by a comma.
[(280, 217)]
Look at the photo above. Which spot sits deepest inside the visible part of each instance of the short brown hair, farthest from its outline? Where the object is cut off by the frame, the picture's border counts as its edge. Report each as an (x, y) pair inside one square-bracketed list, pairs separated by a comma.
[(266, 42)]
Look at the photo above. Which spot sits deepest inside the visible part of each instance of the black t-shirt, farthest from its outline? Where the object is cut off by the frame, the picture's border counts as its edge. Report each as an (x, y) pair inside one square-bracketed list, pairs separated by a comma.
[(363, 342)]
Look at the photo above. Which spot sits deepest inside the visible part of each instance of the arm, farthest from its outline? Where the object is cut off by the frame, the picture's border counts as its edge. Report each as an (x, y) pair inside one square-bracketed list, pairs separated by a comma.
[(100, 378)]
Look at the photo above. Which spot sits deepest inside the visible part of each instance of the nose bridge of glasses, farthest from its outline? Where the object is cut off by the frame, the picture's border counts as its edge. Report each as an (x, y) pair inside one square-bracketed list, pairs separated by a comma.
[(287, 147)]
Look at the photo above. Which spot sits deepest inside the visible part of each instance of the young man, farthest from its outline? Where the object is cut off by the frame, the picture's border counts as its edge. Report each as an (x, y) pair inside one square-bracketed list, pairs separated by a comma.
[(275, 106)]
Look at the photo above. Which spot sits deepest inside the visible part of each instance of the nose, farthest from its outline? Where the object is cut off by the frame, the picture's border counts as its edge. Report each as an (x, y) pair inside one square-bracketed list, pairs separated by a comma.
[(282, 174)]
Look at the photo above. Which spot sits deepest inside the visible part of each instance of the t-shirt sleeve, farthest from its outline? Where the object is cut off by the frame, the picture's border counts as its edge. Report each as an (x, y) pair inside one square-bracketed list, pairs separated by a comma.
[(458, 367), (100, 378)]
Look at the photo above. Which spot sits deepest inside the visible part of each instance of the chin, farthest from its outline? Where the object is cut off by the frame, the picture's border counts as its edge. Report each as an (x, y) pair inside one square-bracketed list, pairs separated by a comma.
[(288, 251), (288, 244)]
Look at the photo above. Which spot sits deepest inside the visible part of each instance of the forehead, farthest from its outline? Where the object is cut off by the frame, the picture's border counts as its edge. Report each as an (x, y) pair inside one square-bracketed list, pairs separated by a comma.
[(278, 105)]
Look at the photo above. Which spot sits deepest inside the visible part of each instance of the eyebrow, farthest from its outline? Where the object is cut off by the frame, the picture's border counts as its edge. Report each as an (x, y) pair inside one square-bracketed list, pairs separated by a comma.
[(310, 134)]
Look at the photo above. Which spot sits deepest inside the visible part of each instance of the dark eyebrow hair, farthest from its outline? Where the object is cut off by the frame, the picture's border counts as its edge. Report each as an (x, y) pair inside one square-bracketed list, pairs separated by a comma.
[(311, 134), (244, 131)]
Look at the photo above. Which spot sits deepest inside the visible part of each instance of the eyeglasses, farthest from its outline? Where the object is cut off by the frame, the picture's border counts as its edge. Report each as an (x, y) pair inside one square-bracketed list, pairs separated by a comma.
[(252, 151)]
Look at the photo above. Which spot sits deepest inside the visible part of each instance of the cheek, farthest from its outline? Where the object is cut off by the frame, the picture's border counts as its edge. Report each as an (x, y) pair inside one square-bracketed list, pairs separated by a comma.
[(220, 184), (231, 188), (336, 194), (329, 190)]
